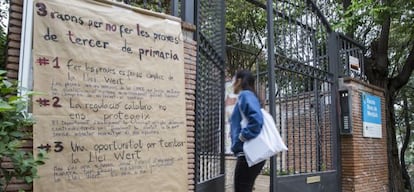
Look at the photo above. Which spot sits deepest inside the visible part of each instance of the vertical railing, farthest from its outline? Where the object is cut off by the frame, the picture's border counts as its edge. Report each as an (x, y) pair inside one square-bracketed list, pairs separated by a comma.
[(333, 48), (271, 77)]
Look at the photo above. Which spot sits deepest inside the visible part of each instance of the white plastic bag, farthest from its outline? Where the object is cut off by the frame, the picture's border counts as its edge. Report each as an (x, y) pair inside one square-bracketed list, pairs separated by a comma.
[(267, 144)]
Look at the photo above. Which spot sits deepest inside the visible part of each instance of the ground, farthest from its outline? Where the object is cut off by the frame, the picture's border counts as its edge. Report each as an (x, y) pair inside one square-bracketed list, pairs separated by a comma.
[(261, 184)]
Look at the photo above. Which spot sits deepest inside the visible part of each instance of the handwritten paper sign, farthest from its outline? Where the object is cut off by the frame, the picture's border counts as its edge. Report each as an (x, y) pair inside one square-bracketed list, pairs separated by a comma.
[(111, 112)]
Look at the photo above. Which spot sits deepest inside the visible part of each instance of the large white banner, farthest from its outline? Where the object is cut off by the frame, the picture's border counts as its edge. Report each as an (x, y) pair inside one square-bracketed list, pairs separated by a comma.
[(111, 112)]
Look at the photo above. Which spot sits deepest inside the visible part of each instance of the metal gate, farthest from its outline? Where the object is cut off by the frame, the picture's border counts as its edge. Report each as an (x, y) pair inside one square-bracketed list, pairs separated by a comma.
[(209, 135), (301, 87)]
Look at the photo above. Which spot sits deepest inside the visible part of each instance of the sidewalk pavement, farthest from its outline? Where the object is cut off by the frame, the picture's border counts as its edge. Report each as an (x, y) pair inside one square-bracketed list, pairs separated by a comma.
[(261, 184)]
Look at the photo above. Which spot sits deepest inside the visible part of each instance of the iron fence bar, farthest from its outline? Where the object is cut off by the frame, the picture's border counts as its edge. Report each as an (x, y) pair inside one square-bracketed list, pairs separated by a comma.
[(289, 28), (296, 92), (174, 7), (317, 127), (160, 6), (271, 74), (310, 84), (187, 11), (299, 127), (197, 157), (223, 88), (324, 131), (313, 122), (290, 88), (306, 123), (287, 134), (333, 68), (320, 15), (223, 53), (280, 124), (145, 4)]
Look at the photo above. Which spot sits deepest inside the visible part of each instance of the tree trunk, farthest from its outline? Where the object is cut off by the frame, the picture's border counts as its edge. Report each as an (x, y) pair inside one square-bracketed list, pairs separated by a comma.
[(396, 181), (395, 172), (377, 73)]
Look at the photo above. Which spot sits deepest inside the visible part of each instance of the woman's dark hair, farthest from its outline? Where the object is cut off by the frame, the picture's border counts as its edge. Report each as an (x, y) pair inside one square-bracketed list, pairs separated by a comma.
[(247, 80)]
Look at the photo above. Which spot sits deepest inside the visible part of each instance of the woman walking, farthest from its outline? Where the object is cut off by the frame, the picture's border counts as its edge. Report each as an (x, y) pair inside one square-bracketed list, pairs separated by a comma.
[(248, 106)]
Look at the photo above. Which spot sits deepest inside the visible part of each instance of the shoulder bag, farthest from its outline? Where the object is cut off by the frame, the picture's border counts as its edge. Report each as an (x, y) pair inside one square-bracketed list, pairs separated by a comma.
[(267, 144)]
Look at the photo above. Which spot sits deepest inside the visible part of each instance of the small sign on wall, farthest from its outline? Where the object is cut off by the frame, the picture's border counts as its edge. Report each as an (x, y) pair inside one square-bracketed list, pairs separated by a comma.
[(354, 65), (371, 116)]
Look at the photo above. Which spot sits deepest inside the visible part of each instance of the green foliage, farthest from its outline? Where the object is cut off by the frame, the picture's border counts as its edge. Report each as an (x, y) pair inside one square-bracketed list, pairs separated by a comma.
[(13, 122), (363, 19), (400, 113), (245, 30)]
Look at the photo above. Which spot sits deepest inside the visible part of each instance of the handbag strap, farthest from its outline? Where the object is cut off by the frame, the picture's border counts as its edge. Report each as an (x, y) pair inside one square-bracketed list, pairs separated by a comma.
[(241, 112)]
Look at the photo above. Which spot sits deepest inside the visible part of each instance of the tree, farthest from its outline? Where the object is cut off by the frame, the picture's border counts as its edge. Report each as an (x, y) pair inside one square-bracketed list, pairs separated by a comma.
[(404, 119), (245, 30), (386, 28)]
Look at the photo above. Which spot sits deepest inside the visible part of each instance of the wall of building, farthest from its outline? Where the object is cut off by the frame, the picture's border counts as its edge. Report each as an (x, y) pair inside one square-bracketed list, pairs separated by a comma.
[(190, 54), (14, 36), (363, 159)]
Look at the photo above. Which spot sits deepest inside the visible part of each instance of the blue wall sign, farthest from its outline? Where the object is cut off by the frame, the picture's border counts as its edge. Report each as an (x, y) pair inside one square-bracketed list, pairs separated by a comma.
[(371, 116)]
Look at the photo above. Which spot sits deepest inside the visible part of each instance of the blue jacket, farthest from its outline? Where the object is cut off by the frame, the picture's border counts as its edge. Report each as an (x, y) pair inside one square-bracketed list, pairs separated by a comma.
[(251, 108)]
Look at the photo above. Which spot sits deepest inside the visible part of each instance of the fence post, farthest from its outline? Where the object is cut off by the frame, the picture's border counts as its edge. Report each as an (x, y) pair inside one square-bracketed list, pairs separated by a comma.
[(187, 11), (271, 82), (174, 8), (333, 52)]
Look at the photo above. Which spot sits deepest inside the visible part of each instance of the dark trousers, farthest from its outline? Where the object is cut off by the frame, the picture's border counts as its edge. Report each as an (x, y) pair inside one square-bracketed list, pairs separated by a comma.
[(244, 176)]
